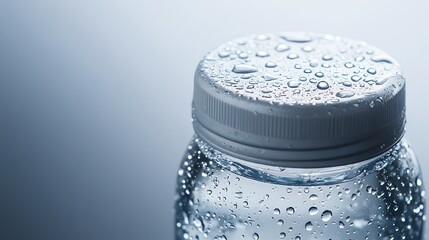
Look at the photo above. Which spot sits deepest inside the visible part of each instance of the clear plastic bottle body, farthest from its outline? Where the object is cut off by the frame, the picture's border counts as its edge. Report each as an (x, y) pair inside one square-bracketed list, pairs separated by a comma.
[(219, 197)]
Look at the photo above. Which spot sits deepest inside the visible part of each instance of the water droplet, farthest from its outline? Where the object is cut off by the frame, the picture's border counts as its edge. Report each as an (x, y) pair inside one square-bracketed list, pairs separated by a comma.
[(419, 182), (282, 48), (381, 81), (269, 77), (255, 236), (345, 94), (313, 211), (327, 57), (293, 84), (371, 71), (319, 74), (356, 78), (341, 224), (239, 195), (198, 223), (243, 55), (307, 70), (280, 222), (322, 85), (290, 210), (223, 54), (292, 56), (244, 68), (313, 197), (270, 65), (349, 65), (309, 226), (296, 37), (326, 65), (382, 59), (246, 76), (326, 215), (282, 235), (307, 49), (297, 66), (359, 58), (262, 54), (347, 84), (314, 63), (276, 211)]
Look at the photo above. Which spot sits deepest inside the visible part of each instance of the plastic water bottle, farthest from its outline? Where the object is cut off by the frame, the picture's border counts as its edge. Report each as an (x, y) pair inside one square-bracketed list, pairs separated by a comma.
[(299, 136)]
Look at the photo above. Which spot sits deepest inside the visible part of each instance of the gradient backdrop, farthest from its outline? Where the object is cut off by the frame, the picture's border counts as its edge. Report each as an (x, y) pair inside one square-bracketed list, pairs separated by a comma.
[(95, 100)]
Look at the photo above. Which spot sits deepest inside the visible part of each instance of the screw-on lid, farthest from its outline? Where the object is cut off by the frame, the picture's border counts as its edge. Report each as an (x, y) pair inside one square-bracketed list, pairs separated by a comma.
[(299, 100)]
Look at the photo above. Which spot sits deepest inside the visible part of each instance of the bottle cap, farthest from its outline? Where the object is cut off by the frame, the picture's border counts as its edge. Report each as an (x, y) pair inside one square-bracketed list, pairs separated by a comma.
[(299, 100)]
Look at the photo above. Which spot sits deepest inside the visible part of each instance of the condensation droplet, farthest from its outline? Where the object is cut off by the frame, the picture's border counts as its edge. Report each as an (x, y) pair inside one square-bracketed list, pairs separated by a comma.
[(244, 68), (293, 84), (292, 56), (282, 48), (319, 74), (347, 84), (296, 37), (223, 54), (322, 85), (418, 182), (359, 58), (307, 49), (327, 57), (313, 197), (309, 226), (356, 78), (270, 64), (269, 77), (345, 94), (313, 211), (243, 55), (349, 65), (371, 71), (382, 59), (255, 236), (290, 210), (326, 215), (262, 54)]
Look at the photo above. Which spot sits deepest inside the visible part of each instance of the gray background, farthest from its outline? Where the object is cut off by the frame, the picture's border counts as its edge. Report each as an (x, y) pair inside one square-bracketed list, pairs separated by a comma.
[(95, 100)]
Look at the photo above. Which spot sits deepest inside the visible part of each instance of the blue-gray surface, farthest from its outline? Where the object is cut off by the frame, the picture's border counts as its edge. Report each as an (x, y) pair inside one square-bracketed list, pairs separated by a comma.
[(95, 100)]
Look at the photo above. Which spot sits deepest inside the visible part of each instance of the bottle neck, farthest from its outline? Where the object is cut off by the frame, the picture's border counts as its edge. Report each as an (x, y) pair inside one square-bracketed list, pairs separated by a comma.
[(310, 157), (301, 176)]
